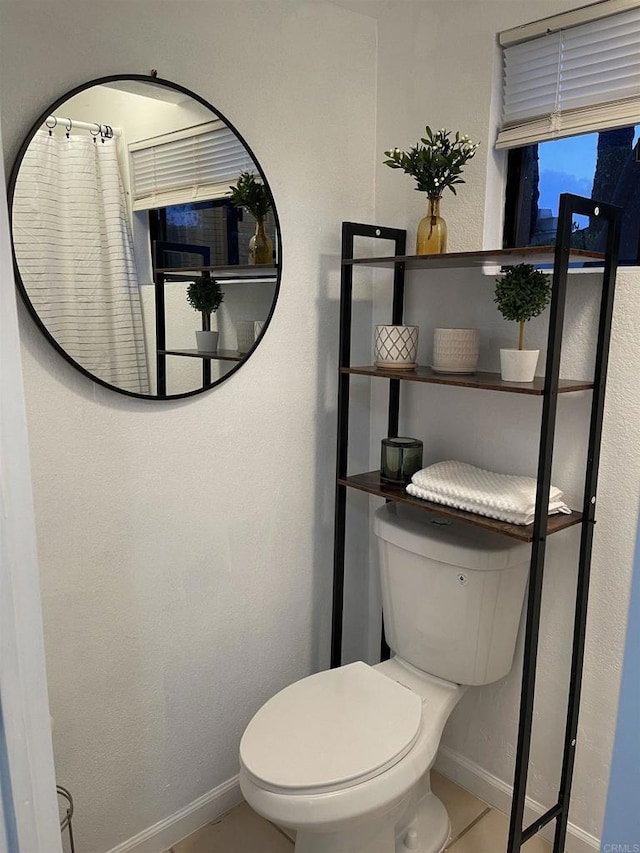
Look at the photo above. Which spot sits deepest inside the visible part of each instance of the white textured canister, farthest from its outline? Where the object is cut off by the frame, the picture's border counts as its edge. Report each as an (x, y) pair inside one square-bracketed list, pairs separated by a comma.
[(455, 350)]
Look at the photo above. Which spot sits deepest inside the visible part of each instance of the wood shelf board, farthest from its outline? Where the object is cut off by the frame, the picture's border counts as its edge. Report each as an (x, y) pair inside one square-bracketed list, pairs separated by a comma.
[(481, 379), (373, 485), (534, 255), (220, 355)]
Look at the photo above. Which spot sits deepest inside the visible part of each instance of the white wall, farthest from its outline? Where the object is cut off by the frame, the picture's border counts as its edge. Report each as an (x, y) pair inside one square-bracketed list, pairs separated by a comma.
[(437, 66), (185, 548), (28, 807), (138, 116)]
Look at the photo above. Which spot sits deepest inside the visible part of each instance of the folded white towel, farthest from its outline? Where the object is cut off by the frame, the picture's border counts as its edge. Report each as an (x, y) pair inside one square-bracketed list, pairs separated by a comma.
[(503, 496)]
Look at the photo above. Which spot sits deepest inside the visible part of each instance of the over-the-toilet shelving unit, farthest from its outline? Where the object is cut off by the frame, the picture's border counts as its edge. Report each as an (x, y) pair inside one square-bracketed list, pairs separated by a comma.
[(549, 389), (254, 274)]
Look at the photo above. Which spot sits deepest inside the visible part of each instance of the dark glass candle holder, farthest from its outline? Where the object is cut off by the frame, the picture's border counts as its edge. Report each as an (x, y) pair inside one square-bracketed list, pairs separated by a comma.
[(400, 459)]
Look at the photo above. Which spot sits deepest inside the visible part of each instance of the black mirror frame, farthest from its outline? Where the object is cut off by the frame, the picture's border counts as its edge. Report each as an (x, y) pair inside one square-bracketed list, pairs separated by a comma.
[(157, 81)]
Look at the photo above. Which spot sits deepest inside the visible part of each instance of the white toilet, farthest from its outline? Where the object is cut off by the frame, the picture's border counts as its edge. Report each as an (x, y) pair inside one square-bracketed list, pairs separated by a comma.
[(343, 756)]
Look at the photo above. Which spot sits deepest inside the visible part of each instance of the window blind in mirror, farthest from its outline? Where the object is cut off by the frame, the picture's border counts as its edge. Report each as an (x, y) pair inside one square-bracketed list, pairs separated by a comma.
[(195, 164)]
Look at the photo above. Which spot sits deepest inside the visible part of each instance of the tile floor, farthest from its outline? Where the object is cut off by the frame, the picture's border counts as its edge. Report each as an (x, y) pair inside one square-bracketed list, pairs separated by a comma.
[(475, 828)]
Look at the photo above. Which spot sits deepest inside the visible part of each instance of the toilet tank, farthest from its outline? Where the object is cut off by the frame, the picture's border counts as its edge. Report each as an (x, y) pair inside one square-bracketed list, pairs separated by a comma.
[(452, 594)]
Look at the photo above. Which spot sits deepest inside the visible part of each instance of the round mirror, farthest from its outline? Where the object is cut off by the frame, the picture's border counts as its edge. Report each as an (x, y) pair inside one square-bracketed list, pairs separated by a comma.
[(139, 218)]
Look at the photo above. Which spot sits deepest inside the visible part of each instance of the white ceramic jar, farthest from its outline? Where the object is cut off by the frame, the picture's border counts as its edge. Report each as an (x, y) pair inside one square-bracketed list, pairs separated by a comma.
[(455, 350), (245, 332)]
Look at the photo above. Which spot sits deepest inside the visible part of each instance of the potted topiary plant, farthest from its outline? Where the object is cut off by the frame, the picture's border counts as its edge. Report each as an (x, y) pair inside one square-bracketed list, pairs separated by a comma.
[(521, 294), (204, 294), (253, 195)]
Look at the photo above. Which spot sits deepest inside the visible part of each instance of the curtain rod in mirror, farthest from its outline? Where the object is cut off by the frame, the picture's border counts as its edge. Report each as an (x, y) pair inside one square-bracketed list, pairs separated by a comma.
[(68, 124)]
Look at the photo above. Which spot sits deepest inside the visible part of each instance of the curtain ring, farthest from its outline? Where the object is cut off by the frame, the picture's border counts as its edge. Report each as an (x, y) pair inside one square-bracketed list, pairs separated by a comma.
[(51, 126), (97, 132), (69, 127)]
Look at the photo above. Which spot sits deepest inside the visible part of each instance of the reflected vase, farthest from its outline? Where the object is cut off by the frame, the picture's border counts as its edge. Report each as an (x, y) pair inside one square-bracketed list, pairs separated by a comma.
[(432, 231), (260, 246)]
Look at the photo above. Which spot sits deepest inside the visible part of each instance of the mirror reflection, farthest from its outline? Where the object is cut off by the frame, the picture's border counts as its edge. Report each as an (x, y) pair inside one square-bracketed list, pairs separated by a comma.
[(139, 218)]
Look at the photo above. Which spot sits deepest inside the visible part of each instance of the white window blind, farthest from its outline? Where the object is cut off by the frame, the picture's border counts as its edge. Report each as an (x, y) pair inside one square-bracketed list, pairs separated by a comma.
[(577, 80), (195, 164)]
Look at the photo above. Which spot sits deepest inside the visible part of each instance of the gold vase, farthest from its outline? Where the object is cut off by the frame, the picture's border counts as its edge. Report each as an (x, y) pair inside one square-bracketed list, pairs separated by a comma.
[(260, 246), (432, 231)]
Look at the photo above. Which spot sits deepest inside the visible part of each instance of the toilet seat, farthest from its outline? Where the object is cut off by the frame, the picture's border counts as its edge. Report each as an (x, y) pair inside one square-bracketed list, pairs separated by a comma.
[(367, 721)]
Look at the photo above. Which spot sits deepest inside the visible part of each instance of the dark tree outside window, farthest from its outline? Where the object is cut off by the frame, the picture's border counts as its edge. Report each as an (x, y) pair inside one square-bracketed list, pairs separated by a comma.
[(603, 166)]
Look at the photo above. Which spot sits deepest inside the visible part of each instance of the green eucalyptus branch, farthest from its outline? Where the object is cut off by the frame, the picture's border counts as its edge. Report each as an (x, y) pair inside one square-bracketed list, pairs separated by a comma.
[(251, 194), (436, 161)]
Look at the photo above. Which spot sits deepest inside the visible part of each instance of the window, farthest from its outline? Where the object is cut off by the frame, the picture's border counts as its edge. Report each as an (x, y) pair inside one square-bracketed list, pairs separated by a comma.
[(215, 226), (182, 179), (602, 165), (571, 103)]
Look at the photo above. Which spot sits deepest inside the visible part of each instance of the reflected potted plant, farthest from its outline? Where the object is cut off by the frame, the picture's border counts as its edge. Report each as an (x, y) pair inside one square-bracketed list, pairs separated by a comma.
[(253, 195), (435, 162), (521, 294), (204, 294)]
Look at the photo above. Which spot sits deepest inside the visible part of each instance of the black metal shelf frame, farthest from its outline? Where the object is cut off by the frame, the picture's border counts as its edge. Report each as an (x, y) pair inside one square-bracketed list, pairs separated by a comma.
[(160, 279), (225, 274), (570, 206)]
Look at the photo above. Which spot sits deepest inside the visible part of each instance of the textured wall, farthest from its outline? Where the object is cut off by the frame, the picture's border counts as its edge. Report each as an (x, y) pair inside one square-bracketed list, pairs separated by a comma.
[(622, 821), (185, 548), (447, 78)]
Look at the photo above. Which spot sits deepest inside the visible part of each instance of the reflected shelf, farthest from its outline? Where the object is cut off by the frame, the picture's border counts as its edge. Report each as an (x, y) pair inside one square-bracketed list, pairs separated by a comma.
[(482, 380), (220, 355), (373, 485), (534, 255), (228, 274)]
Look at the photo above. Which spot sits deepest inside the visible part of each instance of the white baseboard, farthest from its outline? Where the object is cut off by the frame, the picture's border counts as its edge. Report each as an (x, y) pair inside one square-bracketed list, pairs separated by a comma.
[(497, 793), (170, 830), (465, 773)]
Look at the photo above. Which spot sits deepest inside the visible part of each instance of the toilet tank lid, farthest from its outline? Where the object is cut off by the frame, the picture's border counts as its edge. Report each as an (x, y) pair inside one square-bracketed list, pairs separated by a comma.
[(447, 541), (331, 730)]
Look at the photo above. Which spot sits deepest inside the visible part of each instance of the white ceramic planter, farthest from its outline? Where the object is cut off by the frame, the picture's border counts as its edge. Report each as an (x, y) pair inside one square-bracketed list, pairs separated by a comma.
[(396, 346), (455, 350), (246, 334), (518, 365), (207, 341)]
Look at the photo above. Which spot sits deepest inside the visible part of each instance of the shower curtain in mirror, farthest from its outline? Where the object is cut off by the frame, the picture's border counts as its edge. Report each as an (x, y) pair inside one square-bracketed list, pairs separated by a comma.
[(74, 250)]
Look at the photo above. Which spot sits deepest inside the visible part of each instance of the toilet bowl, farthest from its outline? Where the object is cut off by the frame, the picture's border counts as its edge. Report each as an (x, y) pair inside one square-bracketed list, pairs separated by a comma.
[(368, 791), (343, 757)]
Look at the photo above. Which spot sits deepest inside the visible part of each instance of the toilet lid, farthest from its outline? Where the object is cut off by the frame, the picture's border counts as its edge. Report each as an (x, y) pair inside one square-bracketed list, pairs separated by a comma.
[(331, 730)]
